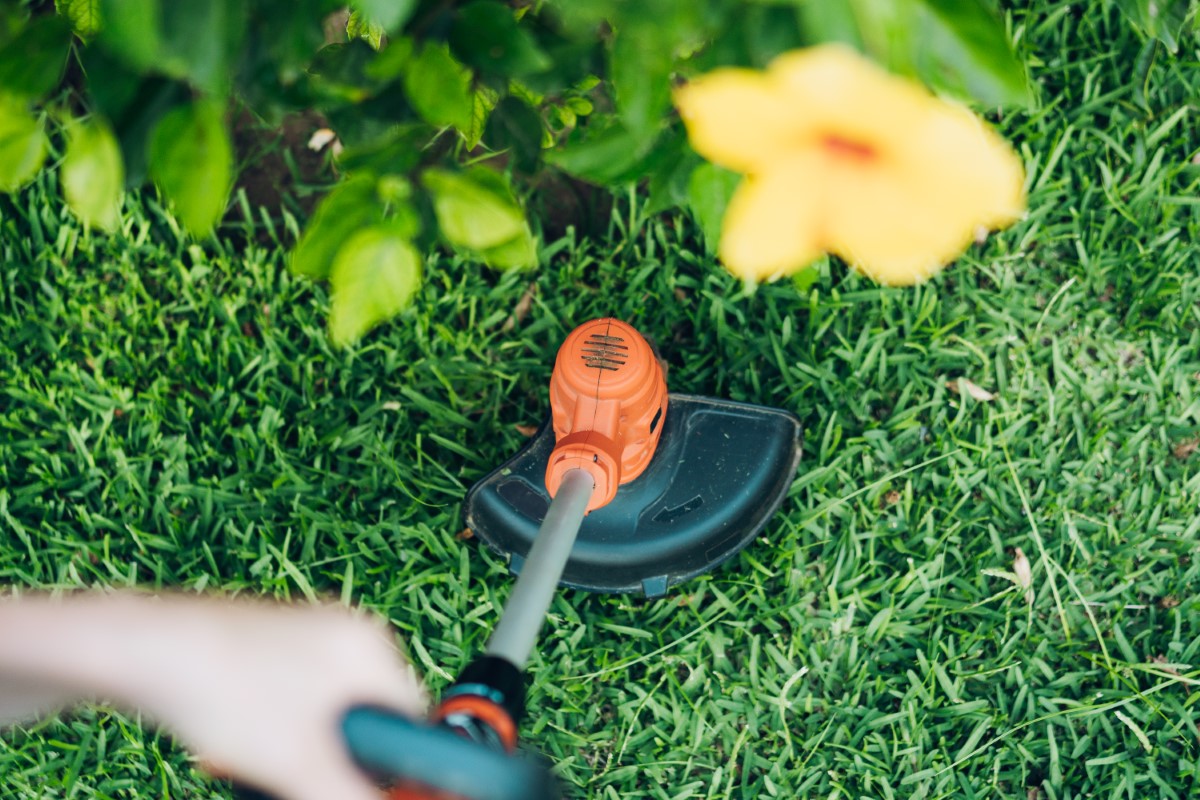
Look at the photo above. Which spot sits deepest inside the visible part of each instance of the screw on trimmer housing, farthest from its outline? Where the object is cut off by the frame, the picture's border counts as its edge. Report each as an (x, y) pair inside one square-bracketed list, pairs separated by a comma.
[(625, 489)]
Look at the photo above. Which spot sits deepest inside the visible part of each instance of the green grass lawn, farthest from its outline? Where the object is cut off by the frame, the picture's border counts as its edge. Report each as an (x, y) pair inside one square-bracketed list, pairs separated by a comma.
[(171, 415)]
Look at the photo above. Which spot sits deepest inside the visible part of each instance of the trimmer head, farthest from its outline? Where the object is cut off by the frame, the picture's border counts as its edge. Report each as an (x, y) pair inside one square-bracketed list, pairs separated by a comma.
[(719, 473)]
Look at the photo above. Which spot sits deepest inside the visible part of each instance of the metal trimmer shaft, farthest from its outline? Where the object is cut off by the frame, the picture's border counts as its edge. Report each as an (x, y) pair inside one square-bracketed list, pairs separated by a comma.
[(514, 636)]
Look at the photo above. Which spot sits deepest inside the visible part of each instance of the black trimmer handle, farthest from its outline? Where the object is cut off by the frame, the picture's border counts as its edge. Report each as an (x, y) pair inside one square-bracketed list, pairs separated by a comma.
[(420, 760)]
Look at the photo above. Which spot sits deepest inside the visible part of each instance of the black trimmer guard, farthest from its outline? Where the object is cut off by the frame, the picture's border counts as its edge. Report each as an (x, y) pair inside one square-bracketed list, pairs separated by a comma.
[(720, 472)]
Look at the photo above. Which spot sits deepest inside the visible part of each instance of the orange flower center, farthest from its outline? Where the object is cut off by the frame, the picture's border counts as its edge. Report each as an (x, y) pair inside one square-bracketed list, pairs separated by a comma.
[(841, 147)]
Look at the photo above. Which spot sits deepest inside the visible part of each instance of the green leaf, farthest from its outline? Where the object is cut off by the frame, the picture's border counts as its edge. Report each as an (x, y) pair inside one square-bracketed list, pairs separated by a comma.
[(516, 127), (829, 22), (22, 144), (482, 104), (83, 15), (132, 102), (439, 87), (403, 216), (375, 276), (351, 206), (191, 162), (360, 27), (392, 60), (132, 31), (202, 40), (285, 33), (186, 39), (640, 66), (342, 72), (393, 154), (709, 191), (1165, 20), (964, 46), (93, 174), (520, 252), (486, 36), (475, 209), (668, 185), (32, 63), (609, 156), (389, 14)]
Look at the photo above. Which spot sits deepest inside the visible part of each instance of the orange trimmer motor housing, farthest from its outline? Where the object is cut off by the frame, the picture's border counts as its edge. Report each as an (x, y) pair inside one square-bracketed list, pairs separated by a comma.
[(607, 398)]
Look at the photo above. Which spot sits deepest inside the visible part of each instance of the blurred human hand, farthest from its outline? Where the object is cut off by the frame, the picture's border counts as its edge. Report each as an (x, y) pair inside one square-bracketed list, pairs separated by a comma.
[(256, 690)]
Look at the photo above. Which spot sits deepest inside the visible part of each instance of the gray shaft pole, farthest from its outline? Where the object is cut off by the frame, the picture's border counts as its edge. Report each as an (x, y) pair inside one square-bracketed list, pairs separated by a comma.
[(513, 638)]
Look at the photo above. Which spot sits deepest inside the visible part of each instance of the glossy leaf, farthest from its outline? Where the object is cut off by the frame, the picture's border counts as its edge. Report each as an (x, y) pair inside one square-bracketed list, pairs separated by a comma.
[(967, 40), (360, 26), (342, 72), (482, 103), (388, 14), (709, 191), (194, 41), (93, 174), (375, 276), (32, 63), (608, 156), (394, 154), (392, 60), (829, 22), (439, 87), (520, 252), (402, 215), (668, 184), (132, 31), (640, 65), (486, 36), (351, 206), (22, 144), (475, 209), (201, 40), (83, 15), (282, 36), (516, 127), (134, 103), (191, 162)]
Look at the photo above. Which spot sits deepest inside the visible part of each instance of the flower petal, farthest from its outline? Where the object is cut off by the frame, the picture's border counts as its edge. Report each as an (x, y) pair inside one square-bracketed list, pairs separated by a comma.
[(919, 207), (771, 225), (885, 226), (847, 96), (976, 170), (738, 118)]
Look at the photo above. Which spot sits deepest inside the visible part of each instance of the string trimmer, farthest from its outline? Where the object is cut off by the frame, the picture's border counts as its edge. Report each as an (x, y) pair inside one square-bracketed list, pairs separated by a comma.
[(625, 489)]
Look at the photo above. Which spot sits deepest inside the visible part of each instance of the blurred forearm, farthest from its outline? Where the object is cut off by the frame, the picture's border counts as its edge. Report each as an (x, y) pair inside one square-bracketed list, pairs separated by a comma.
[(55, 650)]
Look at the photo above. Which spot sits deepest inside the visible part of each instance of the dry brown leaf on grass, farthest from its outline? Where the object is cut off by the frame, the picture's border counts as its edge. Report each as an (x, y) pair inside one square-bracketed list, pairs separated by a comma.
[(965, 386), (320, 138), (1184, 449), (1024, 573), (521, 309), (526, 430), (1021, 575)]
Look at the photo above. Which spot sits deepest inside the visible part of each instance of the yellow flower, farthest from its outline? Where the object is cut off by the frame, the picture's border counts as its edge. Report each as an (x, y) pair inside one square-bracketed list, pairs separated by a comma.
[(842, 157)]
